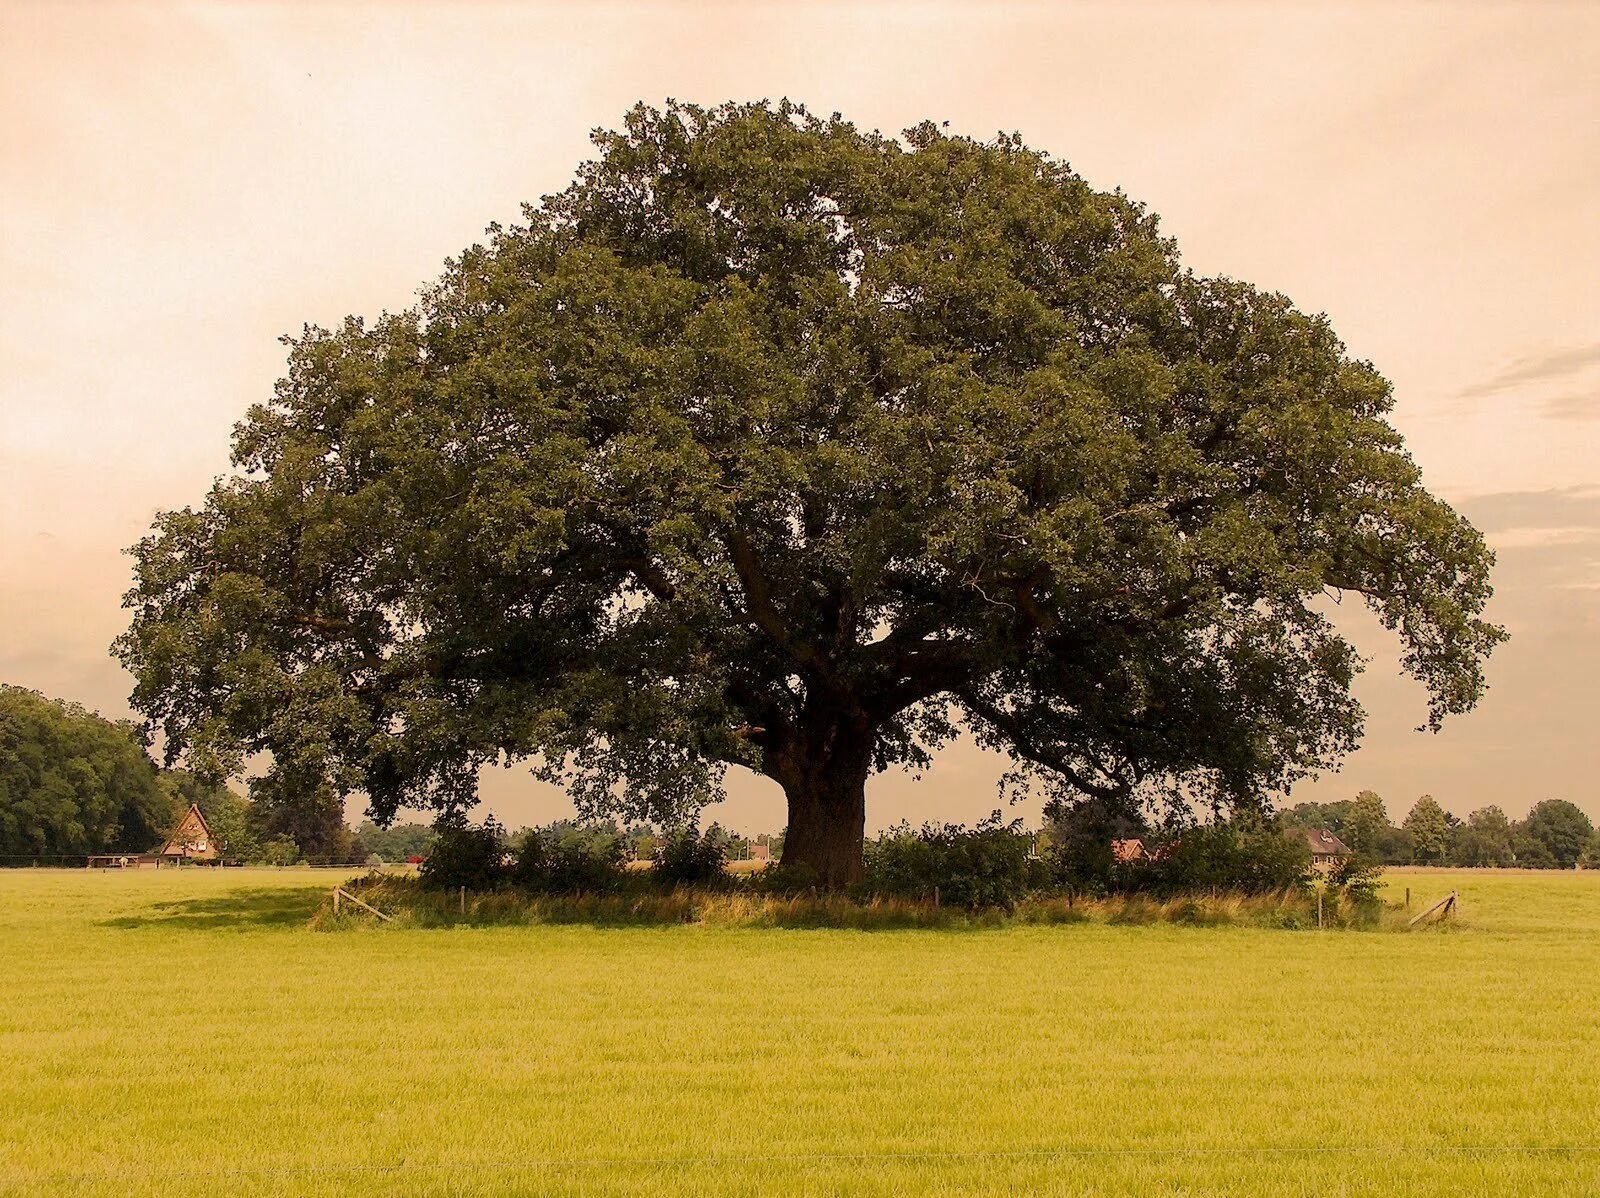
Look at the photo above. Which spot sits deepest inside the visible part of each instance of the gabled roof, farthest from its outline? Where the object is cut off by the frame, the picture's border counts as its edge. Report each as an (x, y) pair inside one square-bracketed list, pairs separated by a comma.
[(1325, 843), (191, 827)]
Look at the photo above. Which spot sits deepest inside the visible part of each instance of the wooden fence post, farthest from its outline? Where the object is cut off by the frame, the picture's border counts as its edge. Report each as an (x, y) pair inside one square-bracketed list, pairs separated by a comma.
[(339, 893), (1448, 903)]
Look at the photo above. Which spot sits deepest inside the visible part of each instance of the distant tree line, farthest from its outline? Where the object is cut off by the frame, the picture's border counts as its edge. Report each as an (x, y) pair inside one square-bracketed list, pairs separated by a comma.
[(73, 783), (1555, 835)]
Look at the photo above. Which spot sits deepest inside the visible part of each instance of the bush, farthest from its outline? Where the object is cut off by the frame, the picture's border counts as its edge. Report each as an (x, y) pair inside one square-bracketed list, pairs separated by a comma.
[(1359, 879), (1077, 845), (687, 858), (280, 850), (463, 855), (569, 860), (984, 866), (1246, 854)]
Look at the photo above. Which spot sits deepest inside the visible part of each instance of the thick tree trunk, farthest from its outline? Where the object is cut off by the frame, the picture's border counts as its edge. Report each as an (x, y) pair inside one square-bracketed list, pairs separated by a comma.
[(824, 777)]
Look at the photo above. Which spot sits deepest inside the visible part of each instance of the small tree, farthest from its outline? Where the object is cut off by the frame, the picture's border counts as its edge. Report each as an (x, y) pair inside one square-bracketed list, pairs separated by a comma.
[(569, 859), (280, 850), (1078, 841), (983, 866), (1429, 829)]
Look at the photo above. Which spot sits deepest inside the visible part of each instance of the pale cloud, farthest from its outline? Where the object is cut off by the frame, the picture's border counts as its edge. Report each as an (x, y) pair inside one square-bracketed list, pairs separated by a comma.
[(1538, 368), (1573, 407)]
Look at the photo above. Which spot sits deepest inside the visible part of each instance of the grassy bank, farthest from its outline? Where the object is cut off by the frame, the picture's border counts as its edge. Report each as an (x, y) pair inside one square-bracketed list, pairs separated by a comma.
[(173, 1033)]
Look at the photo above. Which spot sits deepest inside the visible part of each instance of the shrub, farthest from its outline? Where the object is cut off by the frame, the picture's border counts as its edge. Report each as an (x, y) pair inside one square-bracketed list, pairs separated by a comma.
[(1247, 854), (569, 860), (685, 857), (463, 855), (987, 865), (280, 850), (1078, 838), (1358, 878)]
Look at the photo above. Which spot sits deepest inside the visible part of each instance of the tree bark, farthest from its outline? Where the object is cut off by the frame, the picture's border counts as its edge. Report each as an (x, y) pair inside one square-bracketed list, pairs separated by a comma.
[(824, 776)]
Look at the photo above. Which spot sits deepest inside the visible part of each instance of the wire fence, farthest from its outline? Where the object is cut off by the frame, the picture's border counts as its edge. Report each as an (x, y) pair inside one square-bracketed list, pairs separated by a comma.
[(110, 861)]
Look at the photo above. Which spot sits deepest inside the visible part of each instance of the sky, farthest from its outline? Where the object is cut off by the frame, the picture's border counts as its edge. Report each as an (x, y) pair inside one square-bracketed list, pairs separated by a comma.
[(182, 184)]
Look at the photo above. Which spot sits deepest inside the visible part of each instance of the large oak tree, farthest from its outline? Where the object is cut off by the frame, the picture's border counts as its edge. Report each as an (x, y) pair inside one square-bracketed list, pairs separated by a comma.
[(775, 443)]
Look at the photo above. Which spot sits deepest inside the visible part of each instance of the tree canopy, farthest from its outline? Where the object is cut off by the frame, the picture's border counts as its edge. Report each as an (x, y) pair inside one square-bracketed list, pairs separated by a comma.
[(1560, 828), (776, 443), (73, 783)]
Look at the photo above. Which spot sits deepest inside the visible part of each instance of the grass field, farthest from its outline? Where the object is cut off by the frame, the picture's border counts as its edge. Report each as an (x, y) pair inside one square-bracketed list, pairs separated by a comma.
[(184, 1033)]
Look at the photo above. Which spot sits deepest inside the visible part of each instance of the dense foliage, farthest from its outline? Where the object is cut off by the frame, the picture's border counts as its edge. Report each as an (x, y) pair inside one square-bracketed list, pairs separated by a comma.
[(72, 783), (569, 859), (688, 857), (777, 443), (988, 865), (1245, 854), (399, 842), (474, 856), (1560, 828)]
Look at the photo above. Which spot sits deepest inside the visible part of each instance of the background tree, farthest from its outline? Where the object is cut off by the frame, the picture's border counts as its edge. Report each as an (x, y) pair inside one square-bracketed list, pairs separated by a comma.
[(1484, 840), (1331, 817), (396, 843), (73, 783), (1367, 825), (1591, 853), (1560, 828), (1429, 829), (776, 443), (308, 811)]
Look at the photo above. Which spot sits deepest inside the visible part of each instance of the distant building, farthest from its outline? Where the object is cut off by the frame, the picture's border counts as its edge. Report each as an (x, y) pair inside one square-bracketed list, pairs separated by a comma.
[(761, 852), (1327, 850), (190, 841), (1131, 849)]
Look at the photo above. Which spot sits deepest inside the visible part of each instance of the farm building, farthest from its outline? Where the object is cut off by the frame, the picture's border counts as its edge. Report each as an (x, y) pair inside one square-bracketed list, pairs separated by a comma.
[(1327, 850), (191, 840), (1131, 849), (761, 852)]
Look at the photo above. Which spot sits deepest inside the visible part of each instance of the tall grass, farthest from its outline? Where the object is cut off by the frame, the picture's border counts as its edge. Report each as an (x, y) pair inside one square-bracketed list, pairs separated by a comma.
[(411, 905)]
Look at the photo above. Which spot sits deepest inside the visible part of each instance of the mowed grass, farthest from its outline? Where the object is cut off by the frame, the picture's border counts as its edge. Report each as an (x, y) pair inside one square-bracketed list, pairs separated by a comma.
[(185, 1033)]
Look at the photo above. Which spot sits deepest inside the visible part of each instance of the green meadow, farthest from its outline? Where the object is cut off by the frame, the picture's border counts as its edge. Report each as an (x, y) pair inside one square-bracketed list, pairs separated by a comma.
[(188, 1033)]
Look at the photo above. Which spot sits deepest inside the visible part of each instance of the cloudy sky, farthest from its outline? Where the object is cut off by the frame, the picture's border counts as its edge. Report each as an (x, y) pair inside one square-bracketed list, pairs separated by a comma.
[(180, 184)]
